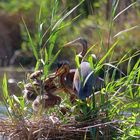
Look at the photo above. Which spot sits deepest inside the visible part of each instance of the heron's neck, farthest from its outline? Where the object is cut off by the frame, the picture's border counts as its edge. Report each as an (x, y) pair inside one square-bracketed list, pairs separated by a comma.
[(84, 50), (82, 54)]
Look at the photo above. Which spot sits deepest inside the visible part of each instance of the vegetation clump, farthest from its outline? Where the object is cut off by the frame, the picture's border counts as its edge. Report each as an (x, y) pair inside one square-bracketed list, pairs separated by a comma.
[(47, 109)]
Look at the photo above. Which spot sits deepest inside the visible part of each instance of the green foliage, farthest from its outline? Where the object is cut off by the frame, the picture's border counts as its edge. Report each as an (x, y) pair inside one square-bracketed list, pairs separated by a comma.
[(35, 52), (15, 5), (15, 105), (118, 100), (6, 98)]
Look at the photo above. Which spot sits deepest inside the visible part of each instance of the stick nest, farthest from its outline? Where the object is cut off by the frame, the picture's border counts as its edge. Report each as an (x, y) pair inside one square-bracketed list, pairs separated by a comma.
[(51, 128)]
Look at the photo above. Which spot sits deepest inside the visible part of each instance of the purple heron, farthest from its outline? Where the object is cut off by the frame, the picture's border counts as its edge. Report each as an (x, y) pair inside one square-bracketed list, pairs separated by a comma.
[(84, 79)]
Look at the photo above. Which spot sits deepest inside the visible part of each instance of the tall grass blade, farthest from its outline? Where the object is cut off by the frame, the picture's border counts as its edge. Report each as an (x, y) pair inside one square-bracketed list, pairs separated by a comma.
[(123, 58), (5, 87), (22, 103), (101, 40), (57, 30), (40, 30), (114, 71), (107, 54), (126, 30), (136, 66), (68, 23), (77, 60), (90, 60), (5, 96), (133, 73), (65, 16), (54, 10), (40, 12), (5, 90), (138, 77), (46, 56), (40, 26), (114, 7), (124, 10), (52, 43), (54, 58), (46, 62), (113, 10), (35, 52), (129, 66), (130, 91), (102, 98), (37, 65)]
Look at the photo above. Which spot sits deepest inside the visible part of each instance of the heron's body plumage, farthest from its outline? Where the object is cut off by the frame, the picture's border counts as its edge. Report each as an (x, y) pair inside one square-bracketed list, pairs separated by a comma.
[(83, 80)]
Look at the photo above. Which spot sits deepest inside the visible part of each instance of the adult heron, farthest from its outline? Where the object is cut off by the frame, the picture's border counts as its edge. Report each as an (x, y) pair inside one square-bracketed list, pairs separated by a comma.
[(84, 78)]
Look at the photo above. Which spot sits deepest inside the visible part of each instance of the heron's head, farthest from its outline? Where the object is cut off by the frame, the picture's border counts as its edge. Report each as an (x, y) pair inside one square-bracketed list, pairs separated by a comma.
[(62, 68), (79, 41)]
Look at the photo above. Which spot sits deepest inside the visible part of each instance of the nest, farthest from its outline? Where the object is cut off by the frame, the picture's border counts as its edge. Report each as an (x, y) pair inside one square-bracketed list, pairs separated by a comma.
[(51, 128)]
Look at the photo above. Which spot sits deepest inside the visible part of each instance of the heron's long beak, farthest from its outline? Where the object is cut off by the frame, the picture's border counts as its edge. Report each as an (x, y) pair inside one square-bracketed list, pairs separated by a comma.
[(81, 41), (76, 41), (70, 44)]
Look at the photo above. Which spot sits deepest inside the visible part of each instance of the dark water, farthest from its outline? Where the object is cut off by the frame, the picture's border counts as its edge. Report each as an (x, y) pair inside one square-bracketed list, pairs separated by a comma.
[(14, 75)]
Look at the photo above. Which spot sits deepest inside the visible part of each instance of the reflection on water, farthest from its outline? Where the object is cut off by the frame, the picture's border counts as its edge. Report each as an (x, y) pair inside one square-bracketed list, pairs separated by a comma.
[(14, 75), (3, 137), (3, 111)]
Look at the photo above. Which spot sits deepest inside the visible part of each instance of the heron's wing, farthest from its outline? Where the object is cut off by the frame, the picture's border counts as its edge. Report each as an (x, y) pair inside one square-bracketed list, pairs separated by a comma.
[(85, 69), (87, 88), (88, 80)]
